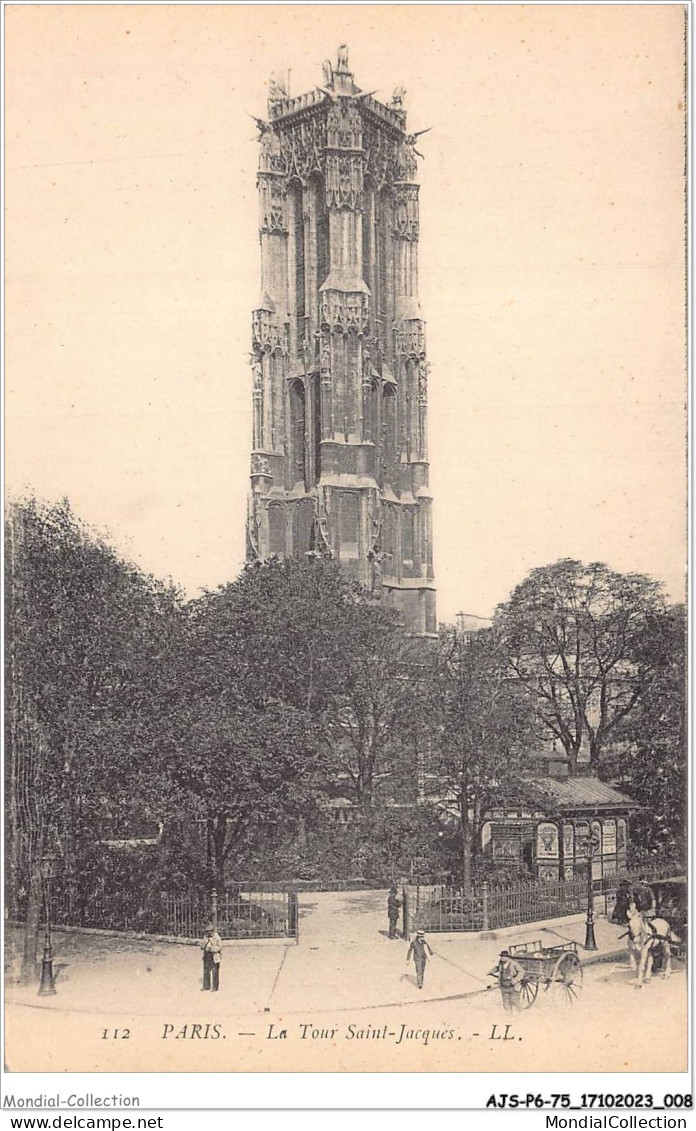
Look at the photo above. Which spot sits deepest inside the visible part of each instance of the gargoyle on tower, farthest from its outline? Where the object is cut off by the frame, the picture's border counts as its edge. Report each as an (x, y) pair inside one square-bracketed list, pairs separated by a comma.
[(339, 465)]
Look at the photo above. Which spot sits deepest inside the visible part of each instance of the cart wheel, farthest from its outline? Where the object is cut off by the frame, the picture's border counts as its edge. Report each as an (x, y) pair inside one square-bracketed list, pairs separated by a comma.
[(528, 992), (567, 979)]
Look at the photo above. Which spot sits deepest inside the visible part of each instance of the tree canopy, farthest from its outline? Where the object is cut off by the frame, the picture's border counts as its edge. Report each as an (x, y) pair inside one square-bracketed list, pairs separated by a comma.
[(650, 759), (310, 637), (84, 630), (236, 740), (244, 709), (480, 725), (574, 639)]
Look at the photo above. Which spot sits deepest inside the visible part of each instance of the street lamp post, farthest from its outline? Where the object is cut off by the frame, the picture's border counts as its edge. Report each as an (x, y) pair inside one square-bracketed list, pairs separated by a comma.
[(591, 849), (47, 984)]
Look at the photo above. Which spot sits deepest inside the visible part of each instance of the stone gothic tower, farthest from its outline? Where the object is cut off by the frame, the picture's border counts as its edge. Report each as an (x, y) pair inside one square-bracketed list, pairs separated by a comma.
[(339, 462)]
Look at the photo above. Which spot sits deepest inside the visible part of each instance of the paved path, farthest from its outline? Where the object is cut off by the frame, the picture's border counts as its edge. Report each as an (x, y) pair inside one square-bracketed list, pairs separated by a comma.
[(344, 961), (605, 1031), (346, 917), (344, 976)]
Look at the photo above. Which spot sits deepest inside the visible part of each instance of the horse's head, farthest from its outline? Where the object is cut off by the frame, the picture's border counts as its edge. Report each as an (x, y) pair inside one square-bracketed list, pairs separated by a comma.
[(636, 923)]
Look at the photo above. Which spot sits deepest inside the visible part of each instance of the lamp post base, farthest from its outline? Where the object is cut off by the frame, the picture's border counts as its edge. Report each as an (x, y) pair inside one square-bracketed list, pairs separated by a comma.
[(47, 985), (590, 940)]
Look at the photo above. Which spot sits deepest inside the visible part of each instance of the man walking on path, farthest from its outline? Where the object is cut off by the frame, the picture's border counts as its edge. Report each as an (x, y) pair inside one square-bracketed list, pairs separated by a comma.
[(418, 948), (211, 945), (511, 980), (393, 908)]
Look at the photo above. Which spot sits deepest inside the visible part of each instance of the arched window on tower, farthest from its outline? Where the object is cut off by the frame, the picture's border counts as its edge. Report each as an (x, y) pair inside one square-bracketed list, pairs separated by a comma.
[(317, 411), (368, 244), (351, 403), (388, 446), (370, 410), (349, 527), (302, 527), (385, 269), (298, 423), (297, 261), (408, 540), (276, 530), (322, 230), (389, 542)]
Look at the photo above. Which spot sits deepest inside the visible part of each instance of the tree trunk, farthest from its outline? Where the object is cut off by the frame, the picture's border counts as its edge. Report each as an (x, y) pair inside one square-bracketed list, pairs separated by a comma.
[(476, 850), (596, 746), (209, 866), (572, 749), (219, 834), (69, 829), (466, 834), (32, 924), (364, 790)]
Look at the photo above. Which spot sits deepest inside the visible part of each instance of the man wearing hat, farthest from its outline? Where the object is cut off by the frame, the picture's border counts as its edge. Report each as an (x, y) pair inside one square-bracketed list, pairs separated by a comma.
[(211, 945), (644, 898), (511, 979), (418, 949), (624, 896), (393, 908)]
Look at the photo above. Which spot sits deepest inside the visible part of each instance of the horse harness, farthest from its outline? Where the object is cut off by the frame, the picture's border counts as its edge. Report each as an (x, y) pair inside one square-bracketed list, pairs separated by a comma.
[(649, 929)]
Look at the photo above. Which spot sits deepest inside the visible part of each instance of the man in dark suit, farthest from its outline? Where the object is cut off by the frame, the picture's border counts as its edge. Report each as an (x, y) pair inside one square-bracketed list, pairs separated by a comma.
[(418, 949), (211, 945), (393, 908)]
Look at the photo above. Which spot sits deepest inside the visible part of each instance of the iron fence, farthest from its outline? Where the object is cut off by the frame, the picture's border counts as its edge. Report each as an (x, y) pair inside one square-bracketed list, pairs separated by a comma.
[(349, 883), (438, 907), (105, 910), (269, 909), (491, 907), (241, 912)]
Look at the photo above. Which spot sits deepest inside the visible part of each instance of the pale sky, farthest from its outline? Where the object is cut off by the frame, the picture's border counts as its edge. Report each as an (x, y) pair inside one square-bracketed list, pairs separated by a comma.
[(552, 273)]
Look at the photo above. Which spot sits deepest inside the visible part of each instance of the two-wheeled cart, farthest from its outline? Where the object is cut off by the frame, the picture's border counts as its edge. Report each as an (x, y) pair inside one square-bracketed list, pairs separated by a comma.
[(556, 968)]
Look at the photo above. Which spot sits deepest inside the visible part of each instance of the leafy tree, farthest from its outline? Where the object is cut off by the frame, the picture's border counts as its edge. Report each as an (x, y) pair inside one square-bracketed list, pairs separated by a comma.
[(650, 759), (288, 622), (480, 733), (410, 840), (84, 629), (372, 726), (310, 637), (229, 748), (573, 635), (384, 844)]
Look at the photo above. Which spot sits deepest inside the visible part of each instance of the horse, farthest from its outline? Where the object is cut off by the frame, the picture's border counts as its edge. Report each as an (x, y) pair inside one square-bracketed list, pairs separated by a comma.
[(645, 938)]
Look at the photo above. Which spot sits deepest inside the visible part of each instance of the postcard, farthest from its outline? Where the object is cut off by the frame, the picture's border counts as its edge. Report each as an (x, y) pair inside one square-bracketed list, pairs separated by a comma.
[(345, 541)]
